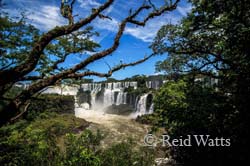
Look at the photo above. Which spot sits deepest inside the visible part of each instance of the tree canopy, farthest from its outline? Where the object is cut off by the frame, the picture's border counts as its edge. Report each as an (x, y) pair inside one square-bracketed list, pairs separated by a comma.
[(213, 40), (25, 50)]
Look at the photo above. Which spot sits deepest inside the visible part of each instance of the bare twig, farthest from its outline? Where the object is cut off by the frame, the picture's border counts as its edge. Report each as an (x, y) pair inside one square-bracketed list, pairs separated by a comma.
[(20, 114), (155, 13), (111, 71)]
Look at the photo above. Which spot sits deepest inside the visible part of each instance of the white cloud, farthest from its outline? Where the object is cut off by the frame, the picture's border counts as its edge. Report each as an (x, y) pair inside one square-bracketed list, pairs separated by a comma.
[(148, 32), (183, 10), (47, 17), (111, 25), (88, 3), (41, 14), (146, 35)]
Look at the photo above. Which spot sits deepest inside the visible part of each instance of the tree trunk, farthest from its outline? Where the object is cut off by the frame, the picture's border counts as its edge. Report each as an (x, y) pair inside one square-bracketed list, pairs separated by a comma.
[(8, 112)]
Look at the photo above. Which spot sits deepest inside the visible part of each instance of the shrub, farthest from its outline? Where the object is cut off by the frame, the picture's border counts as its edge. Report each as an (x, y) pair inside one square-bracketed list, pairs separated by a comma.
[(185, 108), (50, 103), (124, 154), (36, 142)]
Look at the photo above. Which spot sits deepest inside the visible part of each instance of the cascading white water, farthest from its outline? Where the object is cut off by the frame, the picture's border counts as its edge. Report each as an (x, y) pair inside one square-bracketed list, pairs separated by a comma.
[(121, 98), (136, 101), (52, 90), (62, 90), (141, 106), (117, 87), (125, 98), (113, 94), (156, 84), (109, 97), (151, 109), (95, 89)]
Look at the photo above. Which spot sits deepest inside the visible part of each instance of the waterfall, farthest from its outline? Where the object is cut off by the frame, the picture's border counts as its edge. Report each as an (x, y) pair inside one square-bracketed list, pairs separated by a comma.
[(141, 106), (149, 84), (62, 90), (52, 90), (156, 84), (111, 89), (107, 94), (136, 101), (151, 109), (125, 98), (109, 97), (94, 90), (121, 98)]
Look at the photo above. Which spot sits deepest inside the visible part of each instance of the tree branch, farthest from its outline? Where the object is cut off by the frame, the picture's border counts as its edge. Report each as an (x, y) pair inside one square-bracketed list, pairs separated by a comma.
[(59, 61), (12, 75), (20, 114), (31, 78), (34, 56), (51, 80), (111, 71), (8, 65), (155, 13)]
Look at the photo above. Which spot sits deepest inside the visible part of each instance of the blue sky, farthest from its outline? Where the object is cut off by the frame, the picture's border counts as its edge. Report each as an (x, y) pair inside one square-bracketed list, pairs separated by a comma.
[(134, 43)]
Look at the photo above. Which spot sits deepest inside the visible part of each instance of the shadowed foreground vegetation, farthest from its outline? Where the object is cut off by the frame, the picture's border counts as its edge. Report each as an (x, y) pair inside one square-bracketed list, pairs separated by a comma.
[(210, 42), (49, 136)]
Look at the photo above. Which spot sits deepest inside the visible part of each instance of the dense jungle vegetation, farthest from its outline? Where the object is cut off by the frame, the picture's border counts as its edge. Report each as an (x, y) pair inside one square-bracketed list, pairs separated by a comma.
[(207, 66)]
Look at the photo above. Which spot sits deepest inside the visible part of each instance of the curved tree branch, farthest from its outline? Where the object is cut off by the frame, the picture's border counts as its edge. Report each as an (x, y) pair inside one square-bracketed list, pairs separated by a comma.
[(155, 13), (20, 71), (37, 86), (111, 71), (13, 74)]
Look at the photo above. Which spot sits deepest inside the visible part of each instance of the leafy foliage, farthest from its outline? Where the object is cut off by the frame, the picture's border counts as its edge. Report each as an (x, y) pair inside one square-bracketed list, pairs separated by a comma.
[(47, 137), (36, 143), (53, 139), (49, 103), (211, 41), (49, 50), (123, 154), (17, 38), (185, 109), (80, 150)]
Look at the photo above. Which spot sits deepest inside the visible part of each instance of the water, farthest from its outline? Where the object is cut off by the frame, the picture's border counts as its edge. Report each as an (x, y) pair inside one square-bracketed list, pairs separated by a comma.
[(156, 84), (151, 109), (109, 97), (141, 106), (113, 94), (121, 98)]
